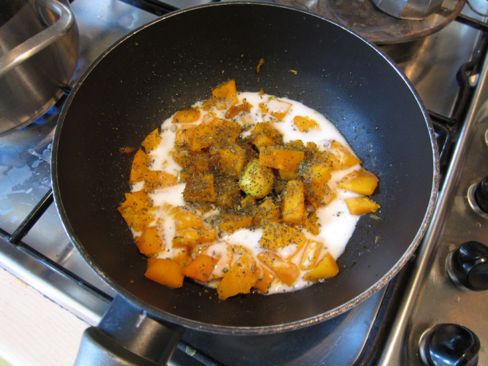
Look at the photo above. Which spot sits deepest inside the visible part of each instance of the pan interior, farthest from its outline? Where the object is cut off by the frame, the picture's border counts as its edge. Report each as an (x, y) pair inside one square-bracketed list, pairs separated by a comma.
[(175, 62)]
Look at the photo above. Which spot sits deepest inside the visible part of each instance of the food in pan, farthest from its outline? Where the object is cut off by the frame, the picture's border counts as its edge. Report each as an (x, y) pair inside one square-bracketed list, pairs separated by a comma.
[(245, 192)]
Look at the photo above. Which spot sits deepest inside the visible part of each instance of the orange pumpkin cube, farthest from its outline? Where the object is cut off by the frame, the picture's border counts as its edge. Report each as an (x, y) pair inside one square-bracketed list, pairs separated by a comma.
[(167, 272), (311, 254), (236, 109), (225, 94), (201, 137), (266, 212), (342, 157), (279, 158), (359, 181), (240, 278), (231, 159), (264, 281), (276, 236), (361, 205), (312, 223), (231, 222), (294, 202), (152, 140), (154, 179), (327, 268), (136, 210), (150, 242), (139, 167), (200, 188), (200, 268), (287, 272), (305, 124), (188, 115)]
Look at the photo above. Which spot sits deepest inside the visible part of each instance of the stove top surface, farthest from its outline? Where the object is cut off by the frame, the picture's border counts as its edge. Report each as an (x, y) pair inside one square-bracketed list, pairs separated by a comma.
[(47, 259)]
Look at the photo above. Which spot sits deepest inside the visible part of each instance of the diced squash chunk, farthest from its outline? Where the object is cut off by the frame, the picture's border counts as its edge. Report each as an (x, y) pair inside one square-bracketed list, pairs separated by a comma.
[(279, 158), (318, 195), (265, 134), (154, 179), (240, 278), (278, 108), (226, 93), (305, 124), (263, 108), (266, 212), (139, 167), (359, 181), (167, 272), (265, 278), (248, 203), (186, 219), (183, 136), (262, 141), (136, 210), (225, 132), (200, 188), (152, 140), (236, 109), (312, 223), (327, 268), (190, 229), (188, 115), (218, 131), (276, 236), (231, 159), (150, 242), (311, 254), (361, 205), (228, 192), (224, 257), (190, 237), (183, 259), (200, 268), (200, 163), (294, 202), (342, 157), (287, 272), (257, 180), (317, 174), (287, 174), (201, 137), (230, 222)]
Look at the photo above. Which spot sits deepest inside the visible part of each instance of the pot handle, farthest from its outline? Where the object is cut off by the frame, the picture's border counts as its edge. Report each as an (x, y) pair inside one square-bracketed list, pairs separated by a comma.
[(126, 336), (42, 39)]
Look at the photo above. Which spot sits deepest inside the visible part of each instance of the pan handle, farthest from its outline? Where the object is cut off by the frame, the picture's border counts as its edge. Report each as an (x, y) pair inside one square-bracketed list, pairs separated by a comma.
[(126, 336)]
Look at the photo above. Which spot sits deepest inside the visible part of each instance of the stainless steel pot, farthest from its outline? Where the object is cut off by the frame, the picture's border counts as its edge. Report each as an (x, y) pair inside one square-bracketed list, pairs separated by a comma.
[(409, 9), (38, 54)]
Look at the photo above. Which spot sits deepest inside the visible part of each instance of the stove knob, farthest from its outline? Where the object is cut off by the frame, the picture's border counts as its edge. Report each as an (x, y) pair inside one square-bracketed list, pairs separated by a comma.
[(449, 345), (481, 194), (468, 266)]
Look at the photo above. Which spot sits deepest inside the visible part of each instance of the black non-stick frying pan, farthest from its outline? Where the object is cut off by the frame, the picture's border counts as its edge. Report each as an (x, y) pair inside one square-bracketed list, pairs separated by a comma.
[(175, 61)]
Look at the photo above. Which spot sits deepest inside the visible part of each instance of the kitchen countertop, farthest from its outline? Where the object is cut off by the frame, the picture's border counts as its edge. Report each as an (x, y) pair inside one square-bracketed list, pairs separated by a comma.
[(34, 330)]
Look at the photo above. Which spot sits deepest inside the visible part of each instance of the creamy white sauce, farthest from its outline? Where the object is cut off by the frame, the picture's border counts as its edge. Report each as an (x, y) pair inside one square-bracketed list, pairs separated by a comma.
[(336, 223), (161, 156), (247, 238), (172, 195), (137, 186)]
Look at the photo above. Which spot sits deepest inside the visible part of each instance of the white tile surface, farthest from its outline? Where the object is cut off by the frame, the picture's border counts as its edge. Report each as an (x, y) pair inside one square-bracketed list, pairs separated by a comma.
[(33, 329)]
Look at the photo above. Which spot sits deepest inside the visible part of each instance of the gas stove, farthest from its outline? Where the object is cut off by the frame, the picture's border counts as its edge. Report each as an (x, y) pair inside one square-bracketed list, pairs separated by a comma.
[(450, 73)]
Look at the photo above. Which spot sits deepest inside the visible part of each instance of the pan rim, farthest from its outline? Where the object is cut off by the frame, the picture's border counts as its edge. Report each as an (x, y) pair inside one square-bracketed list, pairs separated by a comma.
[(245, 330)]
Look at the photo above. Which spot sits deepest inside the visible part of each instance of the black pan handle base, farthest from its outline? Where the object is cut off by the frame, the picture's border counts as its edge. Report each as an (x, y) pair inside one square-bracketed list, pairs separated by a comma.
[(126, 336)]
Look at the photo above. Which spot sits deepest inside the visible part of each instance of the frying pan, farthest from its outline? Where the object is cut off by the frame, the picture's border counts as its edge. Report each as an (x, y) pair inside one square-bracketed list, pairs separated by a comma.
[(175, 61)]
